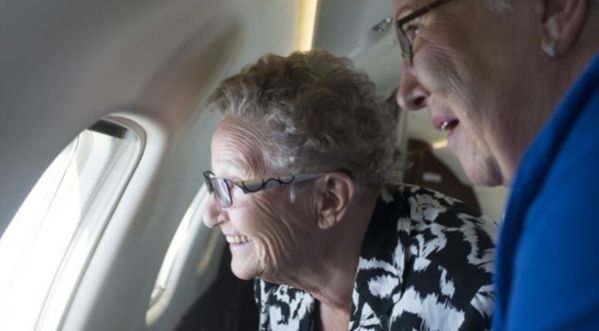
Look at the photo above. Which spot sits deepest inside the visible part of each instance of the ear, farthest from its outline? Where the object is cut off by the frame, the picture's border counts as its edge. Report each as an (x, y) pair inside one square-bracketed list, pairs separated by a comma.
[(561, 24), (334, 195)]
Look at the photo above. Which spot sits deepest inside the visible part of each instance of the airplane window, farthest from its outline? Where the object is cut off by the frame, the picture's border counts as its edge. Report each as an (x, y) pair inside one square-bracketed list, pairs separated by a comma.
[(180, 244), (44, 250)]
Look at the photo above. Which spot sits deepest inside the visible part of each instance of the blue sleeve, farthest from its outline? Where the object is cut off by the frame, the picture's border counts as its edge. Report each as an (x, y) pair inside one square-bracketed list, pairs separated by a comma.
[(556, 273)]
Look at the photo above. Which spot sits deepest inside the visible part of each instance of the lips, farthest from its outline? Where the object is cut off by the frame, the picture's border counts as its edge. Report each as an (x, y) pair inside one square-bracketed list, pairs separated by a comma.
[(449, 125), (445, 122)]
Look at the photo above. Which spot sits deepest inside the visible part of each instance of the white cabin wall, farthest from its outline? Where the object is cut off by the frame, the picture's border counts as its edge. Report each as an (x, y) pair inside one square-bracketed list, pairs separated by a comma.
[(243, 31), (67, 64)]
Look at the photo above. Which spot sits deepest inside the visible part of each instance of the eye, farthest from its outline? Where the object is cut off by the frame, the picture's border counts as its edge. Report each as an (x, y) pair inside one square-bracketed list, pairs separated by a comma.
[(411, 30)]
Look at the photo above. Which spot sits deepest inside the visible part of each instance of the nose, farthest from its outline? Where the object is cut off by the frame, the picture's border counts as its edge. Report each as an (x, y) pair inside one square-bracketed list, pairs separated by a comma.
[(214, 215), (410, 94)]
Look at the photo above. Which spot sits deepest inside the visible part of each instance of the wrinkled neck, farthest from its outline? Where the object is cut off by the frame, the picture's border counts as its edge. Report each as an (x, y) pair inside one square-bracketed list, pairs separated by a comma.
[(330, 274)]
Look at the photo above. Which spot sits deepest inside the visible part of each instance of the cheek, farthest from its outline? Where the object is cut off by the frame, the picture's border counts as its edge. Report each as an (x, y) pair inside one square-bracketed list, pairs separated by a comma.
[(438, 70), (274, 235), (445, 61), (453, 84)]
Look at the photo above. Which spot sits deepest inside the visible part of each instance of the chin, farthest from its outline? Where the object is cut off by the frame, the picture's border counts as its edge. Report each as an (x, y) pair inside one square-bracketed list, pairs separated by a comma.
[(481, 168), (243, 272), (483, 178), (243, 276)]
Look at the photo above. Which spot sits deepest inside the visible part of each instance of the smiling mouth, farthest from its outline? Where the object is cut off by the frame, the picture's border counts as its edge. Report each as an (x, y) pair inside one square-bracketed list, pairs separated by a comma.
[(237, 239)]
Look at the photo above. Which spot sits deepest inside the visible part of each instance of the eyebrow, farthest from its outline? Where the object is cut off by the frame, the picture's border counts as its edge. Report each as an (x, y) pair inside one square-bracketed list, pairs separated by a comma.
[(419, 10), (405, 9)]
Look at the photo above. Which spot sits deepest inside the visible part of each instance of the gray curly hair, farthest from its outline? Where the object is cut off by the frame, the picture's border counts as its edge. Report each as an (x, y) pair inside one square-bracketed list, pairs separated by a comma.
[(314, 112)]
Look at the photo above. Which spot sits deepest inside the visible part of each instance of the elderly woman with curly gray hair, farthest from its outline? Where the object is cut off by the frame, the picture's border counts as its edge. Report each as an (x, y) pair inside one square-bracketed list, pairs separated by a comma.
[(305, 187)]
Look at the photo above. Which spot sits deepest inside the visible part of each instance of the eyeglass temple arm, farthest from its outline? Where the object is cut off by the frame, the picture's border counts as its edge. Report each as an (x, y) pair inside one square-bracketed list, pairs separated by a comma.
[(260, 184)]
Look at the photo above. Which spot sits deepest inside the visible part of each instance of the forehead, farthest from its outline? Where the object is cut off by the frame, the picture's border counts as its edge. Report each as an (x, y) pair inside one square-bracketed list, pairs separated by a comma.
[(236, 149), (401, 5)]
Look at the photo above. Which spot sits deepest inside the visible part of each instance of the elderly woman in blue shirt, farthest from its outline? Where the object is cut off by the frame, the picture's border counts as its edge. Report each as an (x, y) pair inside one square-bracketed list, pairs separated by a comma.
[(305, 187)]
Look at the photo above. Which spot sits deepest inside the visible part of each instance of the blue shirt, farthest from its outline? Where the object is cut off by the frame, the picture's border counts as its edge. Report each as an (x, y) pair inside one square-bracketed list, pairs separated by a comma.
[(547, 265)]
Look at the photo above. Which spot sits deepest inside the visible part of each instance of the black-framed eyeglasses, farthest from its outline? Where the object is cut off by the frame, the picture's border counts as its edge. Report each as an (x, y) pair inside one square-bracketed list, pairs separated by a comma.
[(407, 36), (221, 187)]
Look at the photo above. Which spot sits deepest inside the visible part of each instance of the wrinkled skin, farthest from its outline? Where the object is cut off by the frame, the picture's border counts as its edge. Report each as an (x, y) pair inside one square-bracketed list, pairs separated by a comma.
[(482, 71), (282, 234)]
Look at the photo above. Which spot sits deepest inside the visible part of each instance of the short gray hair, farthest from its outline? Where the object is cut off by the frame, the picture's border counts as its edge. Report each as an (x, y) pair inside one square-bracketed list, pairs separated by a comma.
[(315, 112)]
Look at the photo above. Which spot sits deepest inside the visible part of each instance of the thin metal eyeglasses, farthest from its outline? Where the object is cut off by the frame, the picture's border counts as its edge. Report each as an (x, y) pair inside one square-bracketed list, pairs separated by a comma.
[(406, 38), (221, 187)]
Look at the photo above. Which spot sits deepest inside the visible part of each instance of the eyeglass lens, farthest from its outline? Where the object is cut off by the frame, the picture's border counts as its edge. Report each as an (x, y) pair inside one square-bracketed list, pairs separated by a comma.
[(221, 191), (404, 46)]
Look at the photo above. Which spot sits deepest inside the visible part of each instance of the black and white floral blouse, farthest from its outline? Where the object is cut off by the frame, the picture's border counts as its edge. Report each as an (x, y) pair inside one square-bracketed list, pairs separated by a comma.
[(426, 264)]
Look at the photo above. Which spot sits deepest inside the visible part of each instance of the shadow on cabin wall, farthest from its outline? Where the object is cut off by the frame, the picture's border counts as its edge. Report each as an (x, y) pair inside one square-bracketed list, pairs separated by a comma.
[(428, 171), (228, 305)]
